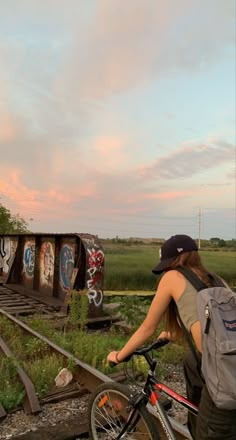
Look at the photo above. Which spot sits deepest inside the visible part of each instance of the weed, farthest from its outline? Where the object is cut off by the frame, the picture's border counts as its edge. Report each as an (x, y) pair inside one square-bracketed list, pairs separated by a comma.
[(133, 309), (78, 311), (11, 390), (9, 366), (41, 326), (71, 364), (11, 396), (78, 308), (43, 372), (35, 347)]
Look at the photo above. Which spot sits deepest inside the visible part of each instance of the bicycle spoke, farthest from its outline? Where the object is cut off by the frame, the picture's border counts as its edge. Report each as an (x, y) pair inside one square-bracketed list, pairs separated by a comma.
[(111, 411), (109, 415), (107, 421)]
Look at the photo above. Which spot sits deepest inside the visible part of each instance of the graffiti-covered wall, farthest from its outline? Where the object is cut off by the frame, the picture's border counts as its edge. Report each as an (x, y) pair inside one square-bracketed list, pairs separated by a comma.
[(94, 272), (67, 264), (52, 264), (8, 247), (28, 262)]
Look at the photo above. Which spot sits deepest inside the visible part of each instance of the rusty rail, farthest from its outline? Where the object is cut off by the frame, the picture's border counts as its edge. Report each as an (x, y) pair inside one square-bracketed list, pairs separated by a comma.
[(91, 378), (31, 403), (2, 412)]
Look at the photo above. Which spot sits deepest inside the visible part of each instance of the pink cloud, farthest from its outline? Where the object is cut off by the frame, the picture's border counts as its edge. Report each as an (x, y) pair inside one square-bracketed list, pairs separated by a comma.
[(131, 44), (50, 203), (167, 195), (126, 43), (109, 152), (7, 128)]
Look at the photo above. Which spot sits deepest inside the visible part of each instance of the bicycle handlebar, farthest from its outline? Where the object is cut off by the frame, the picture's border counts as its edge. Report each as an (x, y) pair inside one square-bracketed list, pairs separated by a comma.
[(143, 350)]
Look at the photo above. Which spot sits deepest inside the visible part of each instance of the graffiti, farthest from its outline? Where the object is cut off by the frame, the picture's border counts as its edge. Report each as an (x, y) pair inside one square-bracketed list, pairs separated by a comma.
[(7, 252), (2, 247), (95, 272), (91, 241), (47, 263), (66, 265), (95, 259), (94, 280), (29, 259), (95, 296)]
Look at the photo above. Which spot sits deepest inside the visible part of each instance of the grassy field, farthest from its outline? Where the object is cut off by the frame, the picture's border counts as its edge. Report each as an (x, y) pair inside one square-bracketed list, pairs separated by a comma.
[(130, 267)]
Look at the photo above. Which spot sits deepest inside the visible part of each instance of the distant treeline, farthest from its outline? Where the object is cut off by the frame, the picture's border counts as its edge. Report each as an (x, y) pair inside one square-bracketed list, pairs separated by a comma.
[(212, 243)]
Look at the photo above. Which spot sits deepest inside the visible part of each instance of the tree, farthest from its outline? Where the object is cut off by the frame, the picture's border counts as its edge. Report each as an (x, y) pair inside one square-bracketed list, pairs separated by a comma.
[(11, 223)]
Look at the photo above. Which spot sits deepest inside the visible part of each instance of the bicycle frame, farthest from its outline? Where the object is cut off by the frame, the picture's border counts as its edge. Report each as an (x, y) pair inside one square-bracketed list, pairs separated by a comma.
[(149, 393), (154, 386)]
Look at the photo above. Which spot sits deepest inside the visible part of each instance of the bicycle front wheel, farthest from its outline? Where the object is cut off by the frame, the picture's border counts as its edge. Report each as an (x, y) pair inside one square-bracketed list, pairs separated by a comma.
[(110, 409)]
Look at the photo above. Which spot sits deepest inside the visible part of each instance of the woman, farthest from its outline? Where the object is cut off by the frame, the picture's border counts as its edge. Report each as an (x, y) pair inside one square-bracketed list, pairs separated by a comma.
[(175, 290)]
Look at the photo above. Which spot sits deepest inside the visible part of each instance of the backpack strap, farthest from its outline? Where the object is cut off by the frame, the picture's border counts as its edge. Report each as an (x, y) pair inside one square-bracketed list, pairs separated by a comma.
[(198, 285), (192, 278), (195, 280)]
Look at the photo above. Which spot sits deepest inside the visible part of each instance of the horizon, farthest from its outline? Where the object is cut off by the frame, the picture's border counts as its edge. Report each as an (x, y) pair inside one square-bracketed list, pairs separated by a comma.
[(119, 118)]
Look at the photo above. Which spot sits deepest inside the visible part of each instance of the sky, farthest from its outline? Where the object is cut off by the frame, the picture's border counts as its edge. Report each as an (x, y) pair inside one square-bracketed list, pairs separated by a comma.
[(117, 118)]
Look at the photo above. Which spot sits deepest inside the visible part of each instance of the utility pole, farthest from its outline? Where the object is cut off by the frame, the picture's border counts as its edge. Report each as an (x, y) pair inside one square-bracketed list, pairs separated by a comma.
[(199, 228)]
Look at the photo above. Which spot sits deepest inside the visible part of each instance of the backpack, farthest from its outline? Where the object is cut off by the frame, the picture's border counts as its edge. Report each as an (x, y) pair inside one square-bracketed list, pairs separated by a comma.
[(217, 315)]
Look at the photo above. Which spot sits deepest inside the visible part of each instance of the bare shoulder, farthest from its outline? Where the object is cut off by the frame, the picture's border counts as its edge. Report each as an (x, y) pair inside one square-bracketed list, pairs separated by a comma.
[(172, 275), (174, 281)]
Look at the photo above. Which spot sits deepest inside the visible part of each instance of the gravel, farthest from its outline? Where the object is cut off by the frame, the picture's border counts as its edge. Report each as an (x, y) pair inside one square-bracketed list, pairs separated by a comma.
[(19, 423)]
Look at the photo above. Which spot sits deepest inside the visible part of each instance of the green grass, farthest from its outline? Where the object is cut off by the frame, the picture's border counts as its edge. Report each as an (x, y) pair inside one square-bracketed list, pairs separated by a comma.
[(34, 356), (221, 262), (130, 267)]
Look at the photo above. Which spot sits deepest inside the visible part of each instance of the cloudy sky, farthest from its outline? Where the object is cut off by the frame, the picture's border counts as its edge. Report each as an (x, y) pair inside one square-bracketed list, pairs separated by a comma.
[(118, 117)]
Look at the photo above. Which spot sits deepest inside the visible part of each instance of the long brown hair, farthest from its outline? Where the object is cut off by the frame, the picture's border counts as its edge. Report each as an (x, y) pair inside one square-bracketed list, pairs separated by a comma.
[(190, 260)]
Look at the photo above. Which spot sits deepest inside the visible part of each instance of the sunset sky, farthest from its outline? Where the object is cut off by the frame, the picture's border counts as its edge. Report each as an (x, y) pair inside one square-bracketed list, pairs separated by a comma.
[(117, 117)]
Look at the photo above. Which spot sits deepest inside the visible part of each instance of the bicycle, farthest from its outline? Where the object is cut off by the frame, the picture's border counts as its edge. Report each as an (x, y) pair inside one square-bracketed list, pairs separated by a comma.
[(116, 412)]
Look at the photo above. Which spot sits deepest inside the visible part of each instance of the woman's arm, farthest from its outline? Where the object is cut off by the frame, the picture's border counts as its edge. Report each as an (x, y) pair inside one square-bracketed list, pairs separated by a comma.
[(147, 328)]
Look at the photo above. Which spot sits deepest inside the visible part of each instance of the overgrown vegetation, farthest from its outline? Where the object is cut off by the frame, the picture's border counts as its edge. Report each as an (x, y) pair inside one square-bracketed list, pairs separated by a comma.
[(92, 348), (78, 309), (11, 390), (33, 356), (129, 267)]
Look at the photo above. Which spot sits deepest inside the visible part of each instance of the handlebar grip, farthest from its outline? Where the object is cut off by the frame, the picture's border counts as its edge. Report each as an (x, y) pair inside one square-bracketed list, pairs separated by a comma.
[(112, 364)]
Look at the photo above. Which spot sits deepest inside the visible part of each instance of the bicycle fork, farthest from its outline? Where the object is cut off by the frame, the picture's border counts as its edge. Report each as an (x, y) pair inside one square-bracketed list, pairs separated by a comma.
[(163, 418), (134, 416)]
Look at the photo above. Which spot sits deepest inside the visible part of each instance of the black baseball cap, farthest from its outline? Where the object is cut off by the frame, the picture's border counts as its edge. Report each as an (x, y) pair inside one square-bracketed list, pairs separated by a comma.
[(172, 248)]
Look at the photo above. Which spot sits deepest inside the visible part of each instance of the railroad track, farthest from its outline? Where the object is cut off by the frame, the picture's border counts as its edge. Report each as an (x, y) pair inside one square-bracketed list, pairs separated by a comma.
[(19, 304), (90, 378)]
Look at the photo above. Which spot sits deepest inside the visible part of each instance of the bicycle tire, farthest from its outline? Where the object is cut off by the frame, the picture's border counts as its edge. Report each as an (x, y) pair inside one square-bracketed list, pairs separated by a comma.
[(108, 411)]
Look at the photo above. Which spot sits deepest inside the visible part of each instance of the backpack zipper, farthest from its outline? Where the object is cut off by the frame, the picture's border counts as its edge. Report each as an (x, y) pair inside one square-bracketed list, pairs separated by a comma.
[(208, 319)]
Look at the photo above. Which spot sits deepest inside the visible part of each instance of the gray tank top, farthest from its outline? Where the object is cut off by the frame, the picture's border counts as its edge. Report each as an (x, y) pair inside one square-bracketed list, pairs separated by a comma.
[(187, 305)]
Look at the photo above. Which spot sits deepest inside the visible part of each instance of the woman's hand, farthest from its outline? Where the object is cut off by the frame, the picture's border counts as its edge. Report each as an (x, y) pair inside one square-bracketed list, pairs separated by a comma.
[(112, 357), (167, 335)]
